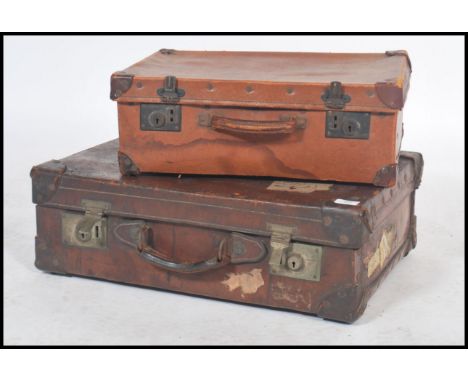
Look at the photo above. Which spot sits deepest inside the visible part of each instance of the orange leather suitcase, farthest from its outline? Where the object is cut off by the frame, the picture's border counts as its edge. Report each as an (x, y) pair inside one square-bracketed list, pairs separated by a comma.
[(320, 116)]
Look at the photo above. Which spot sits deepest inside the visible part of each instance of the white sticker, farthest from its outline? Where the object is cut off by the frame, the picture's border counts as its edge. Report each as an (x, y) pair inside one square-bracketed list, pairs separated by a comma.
[(347, 202)]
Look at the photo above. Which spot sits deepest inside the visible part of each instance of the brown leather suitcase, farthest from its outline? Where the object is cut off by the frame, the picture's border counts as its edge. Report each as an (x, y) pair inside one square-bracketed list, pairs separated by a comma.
[(319, 116), (317, 248)]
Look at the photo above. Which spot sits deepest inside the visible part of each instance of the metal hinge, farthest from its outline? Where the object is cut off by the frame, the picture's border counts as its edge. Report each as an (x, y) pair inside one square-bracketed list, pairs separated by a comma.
[(334, 96), (170, 92), (88, 230), (295, 260)]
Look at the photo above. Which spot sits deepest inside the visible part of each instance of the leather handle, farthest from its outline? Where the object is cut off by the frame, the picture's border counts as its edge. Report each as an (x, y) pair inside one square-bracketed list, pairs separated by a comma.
[(285, 125), (153, 256), (234, 249)]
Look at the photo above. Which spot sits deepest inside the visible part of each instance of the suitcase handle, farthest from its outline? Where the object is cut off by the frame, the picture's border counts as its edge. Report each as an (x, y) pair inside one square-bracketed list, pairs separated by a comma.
[(285, 125), (236, 249)]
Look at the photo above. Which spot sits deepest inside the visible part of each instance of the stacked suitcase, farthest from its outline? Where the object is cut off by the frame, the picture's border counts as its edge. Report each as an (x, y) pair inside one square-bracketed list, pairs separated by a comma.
[(273, 179)]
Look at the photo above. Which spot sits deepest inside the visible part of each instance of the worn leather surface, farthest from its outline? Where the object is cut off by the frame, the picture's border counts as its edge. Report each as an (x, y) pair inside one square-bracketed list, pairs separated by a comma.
[(268, 79), (257, 88), (305, 153), (352, 68), (189, 218)]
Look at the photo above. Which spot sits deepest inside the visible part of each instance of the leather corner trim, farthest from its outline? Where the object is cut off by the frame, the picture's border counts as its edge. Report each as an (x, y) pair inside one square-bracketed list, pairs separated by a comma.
[(386, 176), (345, 304), (120, 83), (418, 161), (390, 95), (344, 226), (400, 52), (127, 166), (46, 180), (167, 51)]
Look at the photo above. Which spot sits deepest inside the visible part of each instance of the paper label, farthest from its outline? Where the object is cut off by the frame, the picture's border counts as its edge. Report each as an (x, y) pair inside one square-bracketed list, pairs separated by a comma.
[(383, 251), (347, 202), (302, 187)]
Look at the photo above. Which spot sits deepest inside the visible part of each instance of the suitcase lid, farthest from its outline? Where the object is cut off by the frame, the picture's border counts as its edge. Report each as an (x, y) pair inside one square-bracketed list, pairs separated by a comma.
[(312, 81), (341, 215)]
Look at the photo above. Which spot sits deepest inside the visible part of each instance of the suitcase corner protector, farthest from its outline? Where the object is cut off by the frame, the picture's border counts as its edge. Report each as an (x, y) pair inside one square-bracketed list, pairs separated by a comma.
[(120, 83), (386, 176), (347, 227), (127, 165), (418, 161), (390, 94), (46, 180), (345, 304)]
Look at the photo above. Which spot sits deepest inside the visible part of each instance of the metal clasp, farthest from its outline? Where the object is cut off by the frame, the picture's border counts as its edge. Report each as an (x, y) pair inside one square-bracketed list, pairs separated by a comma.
[(88, 230), (294, 260), (170, 92), (334, 97)]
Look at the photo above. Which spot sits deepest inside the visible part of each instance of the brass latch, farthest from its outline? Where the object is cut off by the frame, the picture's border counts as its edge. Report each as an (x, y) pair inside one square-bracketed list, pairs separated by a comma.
[(295, 260), (88, 230)]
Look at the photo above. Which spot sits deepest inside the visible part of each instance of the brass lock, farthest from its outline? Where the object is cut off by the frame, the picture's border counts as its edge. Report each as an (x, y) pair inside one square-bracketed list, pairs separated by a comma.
[(295, 260), (88, 230)]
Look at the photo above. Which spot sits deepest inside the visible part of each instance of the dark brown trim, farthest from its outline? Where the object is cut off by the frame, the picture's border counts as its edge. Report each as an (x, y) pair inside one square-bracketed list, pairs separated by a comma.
[(418, 161), (391, 53), (345, 304), (386, 176), (127, 166), (390, 94), (167, 51), (46, 180), (344, 226), (120, 83)]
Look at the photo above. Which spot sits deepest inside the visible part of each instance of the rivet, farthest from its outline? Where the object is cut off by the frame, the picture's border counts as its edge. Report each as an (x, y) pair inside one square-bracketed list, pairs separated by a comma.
[(139, 85), (343, 239), (370, 93), (249, 89), (290, 91), (210, 87), (327, 220)]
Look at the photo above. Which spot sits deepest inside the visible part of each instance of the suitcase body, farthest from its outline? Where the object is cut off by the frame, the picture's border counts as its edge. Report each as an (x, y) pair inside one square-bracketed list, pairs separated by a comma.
[(317, 248), (319, 116)]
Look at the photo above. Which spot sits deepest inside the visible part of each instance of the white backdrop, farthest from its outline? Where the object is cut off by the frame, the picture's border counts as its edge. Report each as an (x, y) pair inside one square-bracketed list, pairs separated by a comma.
[(56, 98)]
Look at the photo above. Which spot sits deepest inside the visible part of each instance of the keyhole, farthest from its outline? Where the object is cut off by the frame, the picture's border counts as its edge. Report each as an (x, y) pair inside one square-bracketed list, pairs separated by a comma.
[(350, 127), (295, 262), (157, 119), (171, 115), (82, 235), (96, 230), (335, 122)]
